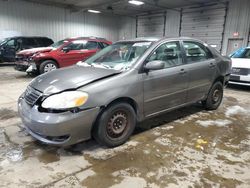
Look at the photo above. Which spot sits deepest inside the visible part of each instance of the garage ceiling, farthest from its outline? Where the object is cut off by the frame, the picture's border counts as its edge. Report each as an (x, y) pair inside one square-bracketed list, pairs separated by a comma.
[(122, 7)]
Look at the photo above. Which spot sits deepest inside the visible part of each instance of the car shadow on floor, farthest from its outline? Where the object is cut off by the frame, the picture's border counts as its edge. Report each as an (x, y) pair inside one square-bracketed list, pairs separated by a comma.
[(146, 125), (238, 87)]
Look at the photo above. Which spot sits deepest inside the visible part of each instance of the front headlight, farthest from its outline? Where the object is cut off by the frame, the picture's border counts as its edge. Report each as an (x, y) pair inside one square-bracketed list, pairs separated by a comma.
[(65, 100)]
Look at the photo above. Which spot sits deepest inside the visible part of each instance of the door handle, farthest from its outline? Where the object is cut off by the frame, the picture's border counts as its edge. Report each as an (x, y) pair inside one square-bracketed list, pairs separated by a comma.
[(182, 71), (211, 65)]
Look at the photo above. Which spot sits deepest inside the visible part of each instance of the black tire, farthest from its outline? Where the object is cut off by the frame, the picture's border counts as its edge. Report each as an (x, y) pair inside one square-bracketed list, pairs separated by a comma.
[(214, 97), (47, 66), (115, 125)]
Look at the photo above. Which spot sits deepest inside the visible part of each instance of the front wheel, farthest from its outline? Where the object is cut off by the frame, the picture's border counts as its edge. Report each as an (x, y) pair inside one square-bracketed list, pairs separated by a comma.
[(48, 66), (115, 125), (214, 97)]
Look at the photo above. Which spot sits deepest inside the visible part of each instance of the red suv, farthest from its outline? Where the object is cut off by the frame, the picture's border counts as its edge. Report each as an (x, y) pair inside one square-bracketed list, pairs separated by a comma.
[(60, 54)]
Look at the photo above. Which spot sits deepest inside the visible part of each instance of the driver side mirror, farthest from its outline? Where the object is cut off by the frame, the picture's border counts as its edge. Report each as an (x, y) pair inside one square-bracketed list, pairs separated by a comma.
[(66, 49), (154, 65)]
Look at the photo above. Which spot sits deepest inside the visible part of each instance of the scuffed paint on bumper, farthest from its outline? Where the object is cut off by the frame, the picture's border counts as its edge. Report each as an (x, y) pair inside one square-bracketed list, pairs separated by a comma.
[(61, 129)]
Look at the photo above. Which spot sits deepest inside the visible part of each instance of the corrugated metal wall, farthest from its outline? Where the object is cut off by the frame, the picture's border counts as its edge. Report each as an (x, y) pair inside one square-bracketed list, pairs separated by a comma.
[(151, 25), (127, 28), (159, 24), (238, 20), (205, 23), (173, 23), (57, 23)]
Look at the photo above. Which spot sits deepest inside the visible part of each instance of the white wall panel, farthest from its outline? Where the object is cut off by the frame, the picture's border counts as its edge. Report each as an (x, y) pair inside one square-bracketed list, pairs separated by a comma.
[(57, 23)]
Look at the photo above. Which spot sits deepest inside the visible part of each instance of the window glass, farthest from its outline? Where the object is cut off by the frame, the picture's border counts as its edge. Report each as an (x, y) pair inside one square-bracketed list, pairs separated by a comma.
[(195, 52), (10, 43), (247, 54), (91, 45), (105, 44), (43, 41), (29, 42), (119, 56), (77, 45), (59, 43), (169, 53)]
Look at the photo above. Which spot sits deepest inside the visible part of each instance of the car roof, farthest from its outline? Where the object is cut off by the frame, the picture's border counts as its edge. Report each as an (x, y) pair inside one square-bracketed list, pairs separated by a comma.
[(155, 39), (26, 37), (86, 38)]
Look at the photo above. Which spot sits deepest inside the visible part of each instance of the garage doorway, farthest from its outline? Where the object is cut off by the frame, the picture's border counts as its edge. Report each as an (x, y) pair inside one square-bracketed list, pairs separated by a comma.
[(233, 45), (151, 25), (205, 22)]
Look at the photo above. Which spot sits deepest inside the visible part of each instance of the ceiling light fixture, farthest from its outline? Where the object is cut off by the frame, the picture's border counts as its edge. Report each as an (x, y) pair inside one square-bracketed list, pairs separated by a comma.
[(94, 11), (135, 2)]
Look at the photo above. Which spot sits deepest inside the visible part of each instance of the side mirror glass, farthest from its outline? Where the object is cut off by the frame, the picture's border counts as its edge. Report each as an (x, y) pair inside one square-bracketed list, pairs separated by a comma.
[(154, 65)]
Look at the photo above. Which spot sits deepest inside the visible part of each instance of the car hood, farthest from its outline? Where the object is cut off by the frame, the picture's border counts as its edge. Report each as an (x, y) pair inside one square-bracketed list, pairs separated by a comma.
[(35, 50), (241, 63), (70, 78)]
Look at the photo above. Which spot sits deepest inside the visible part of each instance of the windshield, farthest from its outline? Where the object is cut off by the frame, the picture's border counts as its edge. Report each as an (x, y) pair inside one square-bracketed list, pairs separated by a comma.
[(3, 41), (119, 56), (241, 53), (59, 43)]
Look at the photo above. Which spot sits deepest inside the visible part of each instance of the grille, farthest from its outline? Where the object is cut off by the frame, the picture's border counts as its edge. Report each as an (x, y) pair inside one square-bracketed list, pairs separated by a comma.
[(240, 71), (31, 95)]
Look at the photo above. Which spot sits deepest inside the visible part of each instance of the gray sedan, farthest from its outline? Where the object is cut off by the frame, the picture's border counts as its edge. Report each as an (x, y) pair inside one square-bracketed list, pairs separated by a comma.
[(125, 83)]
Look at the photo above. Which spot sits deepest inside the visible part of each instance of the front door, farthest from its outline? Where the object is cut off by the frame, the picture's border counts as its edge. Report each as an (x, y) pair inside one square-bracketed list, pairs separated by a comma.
[(166, 88), (9, 51), (78, 50)]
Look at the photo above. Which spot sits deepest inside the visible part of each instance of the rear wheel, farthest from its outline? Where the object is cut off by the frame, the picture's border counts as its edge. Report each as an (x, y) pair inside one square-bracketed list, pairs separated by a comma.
[(214, 97), (115, 125), (48, 66)]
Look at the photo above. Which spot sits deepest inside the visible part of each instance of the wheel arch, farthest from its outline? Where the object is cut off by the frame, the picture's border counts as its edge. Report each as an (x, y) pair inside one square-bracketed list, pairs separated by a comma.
[(127, 100), (40, 61)]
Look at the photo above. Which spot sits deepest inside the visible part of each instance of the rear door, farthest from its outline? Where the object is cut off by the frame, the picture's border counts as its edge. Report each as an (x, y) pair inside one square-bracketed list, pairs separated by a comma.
[(201, 67), (166, 88)]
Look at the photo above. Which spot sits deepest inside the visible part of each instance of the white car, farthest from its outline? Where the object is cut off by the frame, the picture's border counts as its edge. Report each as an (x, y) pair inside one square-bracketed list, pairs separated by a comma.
[(240, 67)]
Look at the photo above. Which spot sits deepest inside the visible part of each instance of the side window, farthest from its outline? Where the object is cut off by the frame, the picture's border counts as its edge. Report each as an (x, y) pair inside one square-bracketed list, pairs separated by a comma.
[(10, 43), (105, 44), (91, 45), (44, 42), (196, 52), (169, 53), (76, 45), (29, 42)]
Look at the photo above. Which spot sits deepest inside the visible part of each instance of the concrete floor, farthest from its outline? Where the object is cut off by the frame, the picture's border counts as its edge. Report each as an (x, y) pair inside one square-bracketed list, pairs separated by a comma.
[(189, 147)]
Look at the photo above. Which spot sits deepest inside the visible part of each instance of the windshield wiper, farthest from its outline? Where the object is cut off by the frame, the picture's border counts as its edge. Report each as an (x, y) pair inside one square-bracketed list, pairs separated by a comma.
[(101, 65)]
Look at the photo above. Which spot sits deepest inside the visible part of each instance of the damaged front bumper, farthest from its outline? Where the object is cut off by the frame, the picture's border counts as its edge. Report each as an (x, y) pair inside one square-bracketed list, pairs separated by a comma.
[(60, 129), (26, 66)]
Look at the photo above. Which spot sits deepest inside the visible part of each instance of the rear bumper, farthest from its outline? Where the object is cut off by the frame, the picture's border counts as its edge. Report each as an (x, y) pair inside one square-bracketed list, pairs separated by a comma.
[(60, 129)]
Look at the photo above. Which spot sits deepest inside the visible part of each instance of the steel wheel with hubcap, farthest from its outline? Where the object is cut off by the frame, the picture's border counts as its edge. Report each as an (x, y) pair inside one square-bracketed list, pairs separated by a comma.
[(115, 125)]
